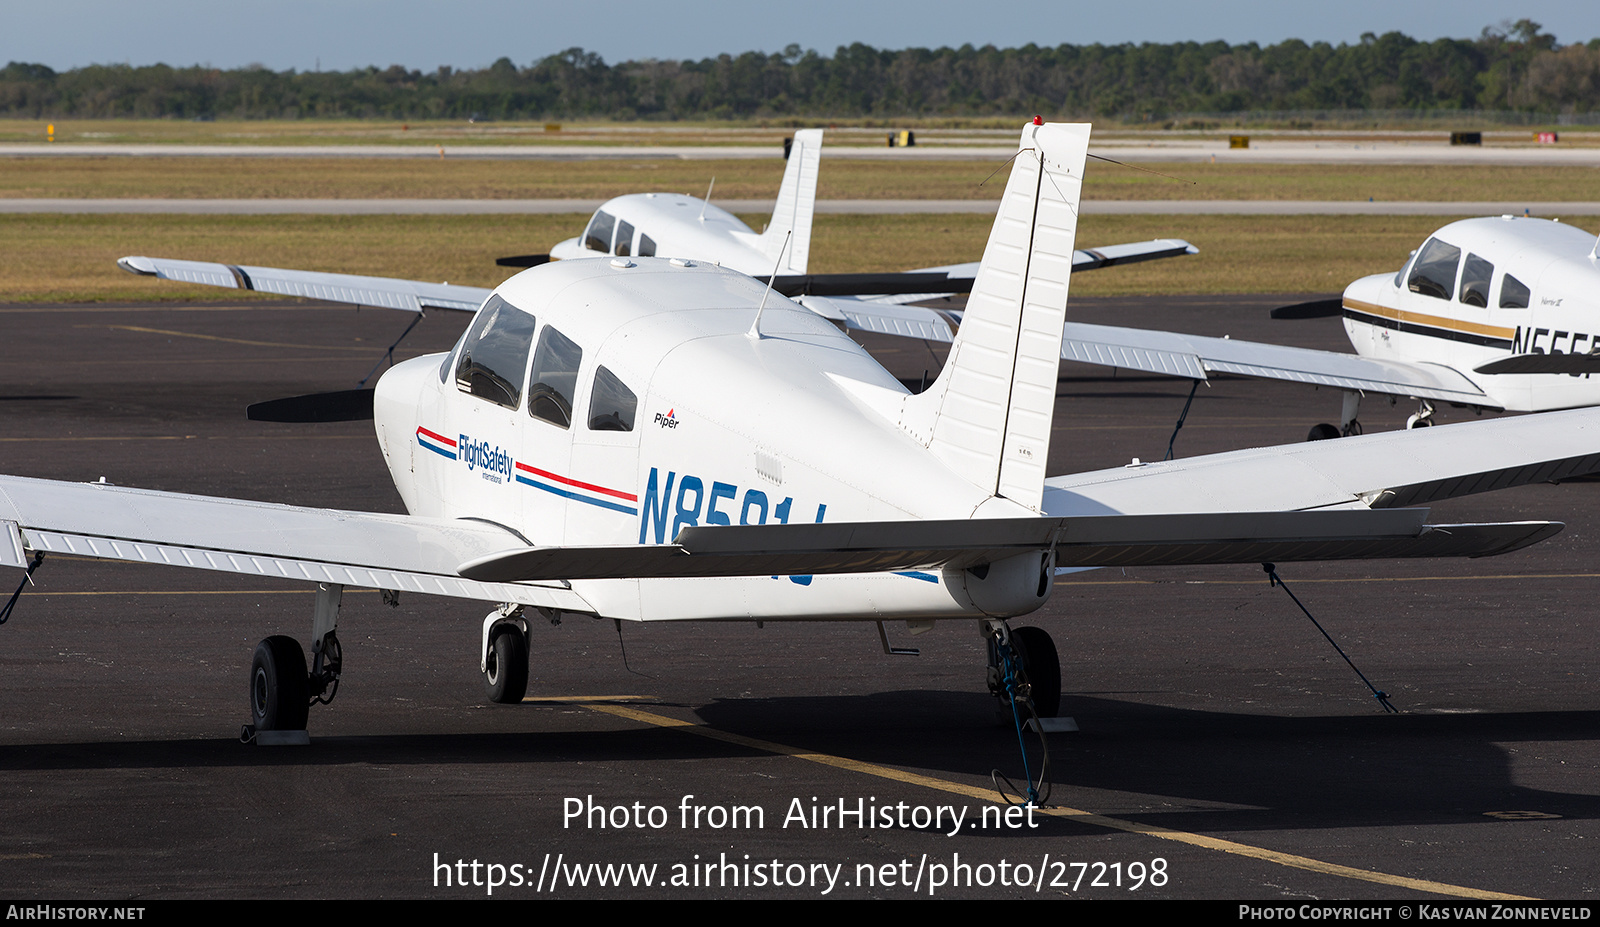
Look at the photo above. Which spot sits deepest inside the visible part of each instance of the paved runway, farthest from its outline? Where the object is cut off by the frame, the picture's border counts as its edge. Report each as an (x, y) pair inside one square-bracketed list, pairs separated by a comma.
[(1433, 150), (371, 207), (1221, 736)]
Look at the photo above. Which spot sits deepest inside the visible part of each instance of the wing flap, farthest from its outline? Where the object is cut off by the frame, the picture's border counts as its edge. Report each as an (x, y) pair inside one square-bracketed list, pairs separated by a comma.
[(1143, 540), (379, 292)]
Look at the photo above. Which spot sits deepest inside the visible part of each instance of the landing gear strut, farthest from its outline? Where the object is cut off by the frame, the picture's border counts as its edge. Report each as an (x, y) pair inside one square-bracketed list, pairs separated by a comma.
[(1028, 656), (1422, 418), (1348, 423), (282, 691)]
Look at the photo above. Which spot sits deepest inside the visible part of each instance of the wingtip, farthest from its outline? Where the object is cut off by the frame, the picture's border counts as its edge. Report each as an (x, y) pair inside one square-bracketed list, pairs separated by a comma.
[(142, 266)]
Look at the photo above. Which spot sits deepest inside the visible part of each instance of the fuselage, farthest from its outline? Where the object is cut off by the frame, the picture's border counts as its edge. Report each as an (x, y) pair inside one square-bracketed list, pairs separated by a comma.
[(669, 225), (1481, 290), (615, 402)]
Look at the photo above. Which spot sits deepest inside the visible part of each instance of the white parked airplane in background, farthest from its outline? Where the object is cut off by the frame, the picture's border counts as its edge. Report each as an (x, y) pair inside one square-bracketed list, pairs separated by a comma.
[(664, 440), (676, 225), (1511, 304)]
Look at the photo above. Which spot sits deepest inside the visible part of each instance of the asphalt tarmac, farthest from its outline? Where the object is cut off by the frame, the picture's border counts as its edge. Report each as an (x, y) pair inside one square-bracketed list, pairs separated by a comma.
[(1226, 750)]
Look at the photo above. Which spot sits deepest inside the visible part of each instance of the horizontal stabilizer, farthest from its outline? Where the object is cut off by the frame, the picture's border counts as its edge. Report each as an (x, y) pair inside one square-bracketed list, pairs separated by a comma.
[(1543, 363), (1096, 540), (378, 292)]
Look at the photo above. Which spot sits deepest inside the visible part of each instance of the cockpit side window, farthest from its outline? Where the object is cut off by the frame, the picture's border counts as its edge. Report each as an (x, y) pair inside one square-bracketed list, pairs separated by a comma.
[(1514, 293), (598, 236), (647, 246), (494, 353), (555, 378), (611, 403), (1434, 273), (624, 239), (1475, 277)]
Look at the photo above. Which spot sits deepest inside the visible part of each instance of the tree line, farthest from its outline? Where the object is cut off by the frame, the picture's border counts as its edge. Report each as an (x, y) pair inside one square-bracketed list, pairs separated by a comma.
[(1516, 69)]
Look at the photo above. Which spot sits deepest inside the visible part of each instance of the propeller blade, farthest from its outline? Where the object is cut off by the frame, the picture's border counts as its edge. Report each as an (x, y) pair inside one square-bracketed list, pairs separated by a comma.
[(1572, 364), (350, 405), (1316, 309), (524, 260)]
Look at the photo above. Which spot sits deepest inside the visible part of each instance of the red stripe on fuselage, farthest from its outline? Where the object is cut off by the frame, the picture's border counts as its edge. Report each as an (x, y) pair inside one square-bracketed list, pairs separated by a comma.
[(440, 438), (581, 485)]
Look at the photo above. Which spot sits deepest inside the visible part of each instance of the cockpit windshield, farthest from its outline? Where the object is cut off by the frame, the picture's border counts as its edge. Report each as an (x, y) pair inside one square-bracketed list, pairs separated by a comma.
[(1434, 273), (597, 237)]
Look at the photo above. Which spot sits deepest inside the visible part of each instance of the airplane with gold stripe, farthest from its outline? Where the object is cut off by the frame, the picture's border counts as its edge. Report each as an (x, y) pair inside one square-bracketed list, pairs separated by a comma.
[(1498, 313)]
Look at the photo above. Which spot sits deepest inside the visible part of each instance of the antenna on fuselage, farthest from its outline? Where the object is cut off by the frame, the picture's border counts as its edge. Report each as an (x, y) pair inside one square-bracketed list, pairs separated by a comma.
[(755, 327), (707, 201)]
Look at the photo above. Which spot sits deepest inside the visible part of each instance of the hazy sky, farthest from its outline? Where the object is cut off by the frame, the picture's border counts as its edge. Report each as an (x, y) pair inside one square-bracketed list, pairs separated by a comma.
[(344, 34)]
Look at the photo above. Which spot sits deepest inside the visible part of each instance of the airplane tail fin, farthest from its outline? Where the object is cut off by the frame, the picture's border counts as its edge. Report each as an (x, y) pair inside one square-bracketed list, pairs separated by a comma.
[(988, 415), (797, 203)]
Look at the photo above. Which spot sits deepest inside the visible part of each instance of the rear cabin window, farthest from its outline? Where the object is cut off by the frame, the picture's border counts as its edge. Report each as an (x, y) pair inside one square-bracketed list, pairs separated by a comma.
[(494, 353), (647, 246), (624, 239), (1475, 277), (1513, 293), (554, 379), (598, 236), (1434, 273), (611, 403)]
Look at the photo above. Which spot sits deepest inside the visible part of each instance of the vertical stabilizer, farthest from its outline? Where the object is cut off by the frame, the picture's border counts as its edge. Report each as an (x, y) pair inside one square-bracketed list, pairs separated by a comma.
[(797, 204), (988, 415)]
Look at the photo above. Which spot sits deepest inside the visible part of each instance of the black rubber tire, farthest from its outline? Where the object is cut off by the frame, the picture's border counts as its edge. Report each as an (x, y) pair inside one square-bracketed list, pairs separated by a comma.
[(1041, 666), (280, 694), (507, 670), (1322, 432)]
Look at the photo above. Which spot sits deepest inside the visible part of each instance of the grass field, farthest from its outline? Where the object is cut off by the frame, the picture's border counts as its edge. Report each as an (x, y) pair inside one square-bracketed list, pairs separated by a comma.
[(380, 178), (930, 131), (72, 258)]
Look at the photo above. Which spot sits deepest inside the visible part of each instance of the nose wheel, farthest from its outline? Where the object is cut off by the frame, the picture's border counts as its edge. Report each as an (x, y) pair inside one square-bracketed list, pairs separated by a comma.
[(505, 669)]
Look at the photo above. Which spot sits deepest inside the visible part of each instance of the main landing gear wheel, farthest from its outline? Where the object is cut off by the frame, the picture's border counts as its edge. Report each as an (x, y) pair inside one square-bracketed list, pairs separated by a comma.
[(280, 695), (1041, 667), (506, 670), (1322, 432)]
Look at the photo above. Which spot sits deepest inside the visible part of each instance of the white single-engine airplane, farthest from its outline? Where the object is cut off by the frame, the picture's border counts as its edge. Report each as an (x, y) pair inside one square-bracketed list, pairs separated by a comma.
[(676, 225), (1510, 304), (664, 440)]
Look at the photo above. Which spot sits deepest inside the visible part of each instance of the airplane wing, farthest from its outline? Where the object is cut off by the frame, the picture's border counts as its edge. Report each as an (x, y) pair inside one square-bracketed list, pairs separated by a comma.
[(363, 549), (1392, 469), (1314, 501), (1190, 356), (1079, 541), (379, 292), (931, 282), (415, 295), (1322, 500), (837, 295)]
